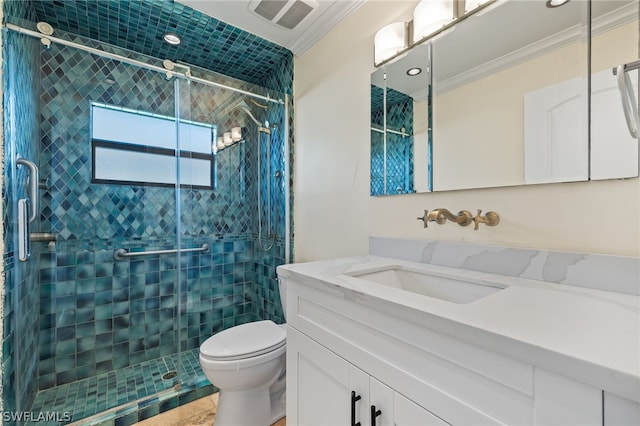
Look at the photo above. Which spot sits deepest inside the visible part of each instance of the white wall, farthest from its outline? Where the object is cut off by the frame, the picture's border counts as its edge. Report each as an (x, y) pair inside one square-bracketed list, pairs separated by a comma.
[(334, 214)]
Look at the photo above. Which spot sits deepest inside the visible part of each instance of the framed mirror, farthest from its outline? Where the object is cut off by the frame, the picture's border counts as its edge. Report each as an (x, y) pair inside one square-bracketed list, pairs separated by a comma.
[(502, 102)]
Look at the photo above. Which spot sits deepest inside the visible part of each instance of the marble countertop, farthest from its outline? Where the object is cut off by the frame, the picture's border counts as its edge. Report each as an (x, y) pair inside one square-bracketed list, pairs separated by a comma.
[(589, 335)]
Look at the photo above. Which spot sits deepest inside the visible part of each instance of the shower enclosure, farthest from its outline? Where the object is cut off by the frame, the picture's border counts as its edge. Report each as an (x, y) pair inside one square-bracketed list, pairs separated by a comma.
[(151, 233)]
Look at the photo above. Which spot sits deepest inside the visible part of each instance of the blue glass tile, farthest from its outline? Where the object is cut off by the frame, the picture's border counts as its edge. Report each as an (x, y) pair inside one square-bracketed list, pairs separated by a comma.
[(104, 270), (121, 336), (86, 329), (120, 282), (84, 315), (86, 358), (85, 257), (103, 284), (86, 287), (137, 280), (66, 259), (103, 326), (103, 297), (63, 348), (104, 339), (66, 333), (120, 308), (85, 344), (85, 300), (103, 312)]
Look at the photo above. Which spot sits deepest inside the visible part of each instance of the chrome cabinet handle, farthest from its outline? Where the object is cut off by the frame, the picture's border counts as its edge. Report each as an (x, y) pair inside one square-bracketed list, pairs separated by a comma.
[(628, 99), (33, 186)]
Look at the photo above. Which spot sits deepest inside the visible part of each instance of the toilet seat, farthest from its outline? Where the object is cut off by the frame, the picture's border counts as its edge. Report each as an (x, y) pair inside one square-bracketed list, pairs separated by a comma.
[(244, 341)]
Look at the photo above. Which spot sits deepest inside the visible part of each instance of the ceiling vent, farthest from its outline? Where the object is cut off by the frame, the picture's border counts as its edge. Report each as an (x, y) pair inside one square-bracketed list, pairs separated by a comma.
[(285, 13)]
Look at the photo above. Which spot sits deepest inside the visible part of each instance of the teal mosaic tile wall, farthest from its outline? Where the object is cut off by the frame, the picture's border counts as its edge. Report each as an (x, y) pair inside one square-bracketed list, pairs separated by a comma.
[(20, 303), (97, 314), (268, 305), (88, 313)]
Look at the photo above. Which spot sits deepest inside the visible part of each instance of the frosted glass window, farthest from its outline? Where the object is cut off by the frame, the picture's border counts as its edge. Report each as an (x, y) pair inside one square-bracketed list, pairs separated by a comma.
[(134, 147)]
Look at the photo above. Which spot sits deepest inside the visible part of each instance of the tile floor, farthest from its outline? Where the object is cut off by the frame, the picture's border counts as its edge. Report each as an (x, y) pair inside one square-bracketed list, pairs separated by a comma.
[(87, 397), (197, 413)]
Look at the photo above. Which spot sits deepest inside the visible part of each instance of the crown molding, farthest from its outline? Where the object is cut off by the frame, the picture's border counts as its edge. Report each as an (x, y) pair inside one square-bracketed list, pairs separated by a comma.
[(601, 25), (318, 30)]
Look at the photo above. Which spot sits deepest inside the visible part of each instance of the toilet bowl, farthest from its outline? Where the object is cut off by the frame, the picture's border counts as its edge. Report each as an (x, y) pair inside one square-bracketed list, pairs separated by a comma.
[(247, 364)]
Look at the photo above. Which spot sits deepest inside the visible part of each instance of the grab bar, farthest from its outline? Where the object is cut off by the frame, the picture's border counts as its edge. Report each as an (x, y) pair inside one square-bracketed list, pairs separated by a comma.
[(121, 254), (33, 186)]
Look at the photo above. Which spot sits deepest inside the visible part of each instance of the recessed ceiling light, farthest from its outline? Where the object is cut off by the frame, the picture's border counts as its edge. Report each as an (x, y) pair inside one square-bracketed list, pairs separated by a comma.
[(557, 3), (414, 71), (171, 38)]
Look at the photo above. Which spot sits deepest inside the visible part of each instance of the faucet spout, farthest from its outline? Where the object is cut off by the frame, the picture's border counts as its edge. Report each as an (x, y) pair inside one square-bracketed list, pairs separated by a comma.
[(440, 216)]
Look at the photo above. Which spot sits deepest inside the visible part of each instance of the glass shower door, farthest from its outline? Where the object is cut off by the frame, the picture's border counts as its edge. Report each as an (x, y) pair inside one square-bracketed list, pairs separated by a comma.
[(103, 309)]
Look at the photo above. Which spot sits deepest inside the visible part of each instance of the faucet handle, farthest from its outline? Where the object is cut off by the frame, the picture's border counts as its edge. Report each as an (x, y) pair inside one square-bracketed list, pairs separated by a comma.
[(490, 219), (425, 218)]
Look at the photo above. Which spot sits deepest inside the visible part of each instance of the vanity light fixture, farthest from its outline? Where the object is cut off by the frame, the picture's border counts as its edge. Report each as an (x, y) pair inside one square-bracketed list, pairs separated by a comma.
[(389, 40), (556, 3), (236, 134), (430, 16), (228, 141), (220, 143), (172, 38), (414, 71)]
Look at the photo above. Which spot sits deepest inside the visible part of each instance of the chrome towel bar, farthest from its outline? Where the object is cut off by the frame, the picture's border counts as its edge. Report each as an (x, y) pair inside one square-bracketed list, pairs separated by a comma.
[(121, 254)]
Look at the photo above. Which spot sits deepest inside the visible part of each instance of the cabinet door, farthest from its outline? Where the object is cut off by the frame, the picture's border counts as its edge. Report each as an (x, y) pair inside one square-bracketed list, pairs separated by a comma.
[(396, 410), (317, 384), (359, 385), (381, 399)]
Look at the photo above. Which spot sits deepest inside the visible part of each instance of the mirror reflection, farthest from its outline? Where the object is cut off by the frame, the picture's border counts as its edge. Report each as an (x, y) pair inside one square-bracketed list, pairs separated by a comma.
[(400, 149), (501, 102)]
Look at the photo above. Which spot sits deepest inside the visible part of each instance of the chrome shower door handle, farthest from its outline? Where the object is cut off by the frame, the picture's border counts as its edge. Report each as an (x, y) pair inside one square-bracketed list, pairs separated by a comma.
[(629, 101), (33, 186)]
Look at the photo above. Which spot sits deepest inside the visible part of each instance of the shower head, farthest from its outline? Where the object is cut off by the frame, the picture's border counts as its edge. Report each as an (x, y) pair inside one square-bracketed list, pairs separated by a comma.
[(242, 105)]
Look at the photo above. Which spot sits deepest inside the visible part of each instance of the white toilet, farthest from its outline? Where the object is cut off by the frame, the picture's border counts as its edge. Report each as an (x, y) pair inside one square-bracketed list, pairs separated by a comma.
[(247, 364)]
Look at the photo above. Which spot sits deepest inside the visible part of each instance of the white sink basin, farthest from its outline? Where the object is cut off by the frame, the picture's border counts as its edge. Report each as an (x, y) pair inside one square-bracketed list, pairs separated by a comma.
[(438, 285)]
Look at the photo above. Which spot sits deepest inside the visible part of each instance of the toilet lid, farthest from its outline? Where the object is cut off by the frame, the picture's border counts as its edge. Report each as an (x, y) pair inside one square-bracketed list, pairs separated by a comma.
[(244, 341)]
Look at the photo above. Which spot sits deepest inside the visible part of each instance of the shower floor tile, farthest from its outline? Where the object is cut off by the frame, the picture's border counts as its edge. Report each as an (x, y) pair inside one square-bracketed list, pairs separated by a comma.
[(93, 395)]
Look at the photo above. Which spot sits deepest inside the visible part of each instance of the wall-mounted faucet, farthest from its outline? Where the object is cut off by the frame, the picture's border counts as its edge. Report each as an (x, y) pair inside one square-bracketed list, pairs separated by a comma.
[(463, 218)]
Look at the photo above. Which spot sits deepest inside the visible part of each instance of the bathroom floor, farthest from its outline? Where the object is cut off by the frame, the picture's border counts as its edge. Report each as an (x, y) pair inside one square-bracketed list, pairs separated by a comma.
[(84, 398), (196, 413)]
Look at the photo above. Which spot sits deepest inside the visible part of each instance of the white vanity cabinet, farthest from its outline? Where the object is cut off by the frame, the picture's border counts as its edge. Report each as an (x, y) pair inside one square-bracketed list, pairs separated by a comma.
[(419, 369), (328, 390)]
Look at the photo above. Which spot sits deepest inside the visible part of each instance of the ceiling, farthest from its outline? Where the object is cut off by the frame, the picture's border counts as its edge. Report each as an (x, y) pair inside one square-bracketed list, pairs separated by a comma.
[(319, 17), (139, 25)]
